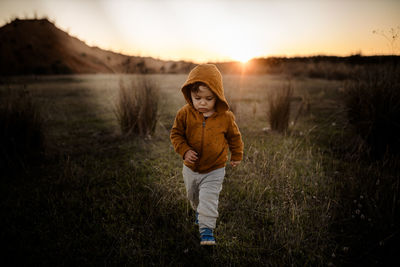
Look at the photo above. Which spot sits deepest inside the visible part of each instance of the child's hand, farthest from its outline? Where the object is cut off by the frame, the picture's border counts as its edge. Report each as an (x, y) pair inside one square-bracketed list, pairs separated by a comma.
[(235, 163), (190, 156)]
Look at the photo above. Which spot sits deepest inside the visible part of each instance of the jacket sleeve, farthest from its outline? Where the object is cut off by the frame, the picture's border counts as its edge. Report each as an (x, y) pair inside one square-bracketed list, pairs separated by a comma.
[(177, 135), (234, 139)]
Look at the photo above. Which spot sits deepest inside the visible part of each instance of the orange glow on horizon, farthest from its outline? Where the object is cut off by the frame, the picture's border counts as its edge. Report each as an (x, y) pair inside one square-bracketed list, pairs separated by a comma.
[(232, 30)]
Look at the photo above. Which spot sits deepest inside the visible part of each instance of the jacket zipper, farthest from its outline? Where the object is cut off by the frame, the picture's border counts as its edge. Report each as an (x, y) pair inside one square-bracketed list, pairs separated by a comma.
[(202, 140)]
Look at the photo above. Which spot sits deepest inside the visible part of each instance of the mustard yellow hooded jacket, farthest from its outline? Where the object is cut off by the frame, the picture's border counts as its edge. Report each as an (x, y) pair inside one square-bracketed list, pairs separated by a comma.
[(212, 137)]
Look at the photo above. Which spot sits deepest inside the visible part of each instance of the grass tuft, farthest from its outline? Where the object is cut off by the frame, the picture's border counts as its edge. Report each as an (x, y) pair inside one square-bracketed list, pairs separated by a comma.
[(279, 109), (137, 106), (21, 129), (373, 109)]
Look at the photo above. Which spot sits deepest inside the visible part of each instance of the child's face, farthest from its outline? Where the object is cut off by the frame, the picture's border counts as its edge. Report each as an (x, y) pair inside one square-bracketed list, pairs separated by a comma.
[(204, 100)]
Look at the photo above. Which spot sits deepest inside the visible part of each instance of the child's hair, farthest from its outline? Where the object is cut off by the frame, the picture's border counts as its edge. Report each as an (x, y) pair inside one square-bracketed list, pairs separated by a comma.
[(195, 87)]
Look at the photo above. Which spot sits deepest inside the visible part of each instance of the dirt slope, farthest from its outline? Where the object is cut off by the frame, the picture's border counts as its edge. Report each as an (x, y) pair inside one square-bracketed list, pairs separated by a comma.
[(37, 46)]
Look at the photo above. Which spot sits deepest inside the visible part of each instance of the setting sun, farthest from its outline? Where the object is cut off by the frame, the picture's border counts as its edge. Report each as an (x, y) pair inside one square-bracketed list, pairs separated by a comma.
[(243, 51), (242, 57)]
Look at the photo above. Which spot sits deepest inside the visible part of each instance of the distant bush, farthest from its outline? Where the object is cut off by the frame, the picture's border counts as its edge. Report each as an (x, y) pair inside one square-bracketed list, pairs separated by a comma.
[(21, 129), (373, 109), (279, 109), (137, 106)]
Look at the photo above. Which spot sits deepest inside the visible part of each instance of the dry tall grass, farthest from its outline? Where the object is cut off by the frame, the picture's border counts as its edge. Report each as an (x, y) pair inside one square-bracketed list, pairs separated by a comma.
[(373, 108), (137, 106), (21, 128), (279, 109)]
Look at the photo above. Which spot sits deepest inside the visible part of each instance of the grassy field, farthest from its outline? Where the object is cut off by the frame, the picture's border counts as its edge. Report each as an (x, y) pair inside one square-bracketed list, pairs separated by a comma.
[(97, 197)]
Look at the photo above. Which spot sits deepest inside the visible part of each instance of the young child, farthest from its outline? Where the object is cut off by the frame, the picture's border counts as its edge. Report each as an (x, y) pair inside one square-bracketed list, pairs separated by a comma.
[(203, 131)]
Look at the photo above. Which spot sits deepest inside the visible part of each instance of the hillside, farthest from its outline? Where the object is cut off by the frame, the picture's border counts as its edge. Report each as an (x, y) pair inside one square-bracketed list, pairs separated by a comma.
[(37, 46)]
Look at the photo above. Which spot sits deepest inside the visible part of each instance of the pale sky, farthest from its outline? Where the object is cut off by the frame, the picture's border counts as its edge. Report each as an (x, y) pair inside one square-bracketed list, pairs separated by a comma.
[(221, 30)]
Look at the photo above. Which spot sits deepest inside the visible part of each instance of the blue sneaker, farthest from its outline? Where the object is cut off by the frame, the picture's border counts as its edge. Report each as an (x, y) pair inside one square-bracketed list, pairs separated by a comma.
[(206, 237), (196, 221)]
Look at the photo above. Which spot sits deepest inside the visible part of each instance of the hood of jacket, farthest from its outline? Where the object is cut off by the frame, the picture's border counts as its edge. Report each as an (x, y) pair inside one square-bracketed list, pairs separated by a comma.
[(210, 75)]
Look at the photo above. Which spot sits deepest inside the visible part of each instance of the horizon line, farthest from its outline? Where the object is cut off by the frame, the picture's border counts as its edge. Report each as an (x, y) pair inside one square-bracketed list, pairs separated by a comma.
[(191, 60)]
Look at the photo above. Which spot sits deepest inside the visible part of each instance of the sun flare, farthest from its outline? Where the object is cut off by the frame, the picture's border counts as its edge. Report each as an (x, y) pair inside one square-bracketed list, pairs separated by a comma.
[(242, 55), (243, 59)]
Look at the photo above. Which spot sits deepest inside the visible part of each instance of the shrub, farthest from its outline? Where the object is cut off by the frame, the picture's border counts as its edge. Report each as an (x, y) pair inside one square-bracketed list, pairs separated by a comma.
[(136, 108), (21, 129), (373, 109), (279, 109)]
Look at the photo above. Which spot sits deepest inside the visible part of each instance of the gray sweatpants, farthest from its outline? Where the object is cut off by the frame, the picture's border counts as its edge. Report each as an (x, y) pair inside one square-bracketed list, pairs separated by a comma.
[(203, 192)]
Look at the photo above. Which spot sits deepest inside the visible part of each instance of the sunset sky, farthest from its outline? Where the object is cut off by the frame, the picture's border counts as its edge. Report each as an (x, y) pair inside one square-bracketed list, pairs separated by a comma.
[(221, 29)]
